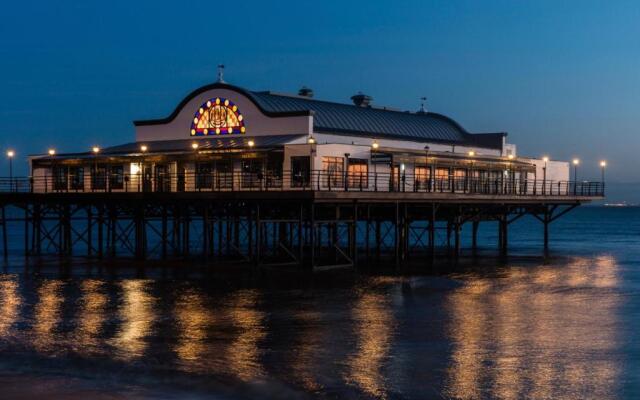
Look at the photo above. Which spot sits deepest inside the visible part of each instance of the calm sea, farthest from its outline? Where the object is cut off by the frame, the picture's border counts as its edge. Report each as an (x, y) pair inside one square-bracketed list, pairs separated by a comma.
[(565, 327)]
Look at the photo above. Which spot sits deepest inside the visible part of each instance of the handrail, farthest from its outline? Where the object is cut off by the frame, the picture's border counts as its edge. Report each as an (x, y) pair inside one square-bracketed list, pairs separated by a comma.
[(333, 181)]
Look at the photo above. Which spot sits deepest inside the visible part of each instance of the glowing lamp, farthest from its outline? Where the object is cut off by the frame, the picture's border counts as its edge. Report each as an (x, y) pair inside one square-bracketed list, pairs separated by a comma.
[(311, 140), (194, 146), (143, 148), (52, 152), (510, 156), (96, 149), (375, 145), (545, 159), (472, 153), (603, 163), (10, 153), (251, 143), (576, 161)]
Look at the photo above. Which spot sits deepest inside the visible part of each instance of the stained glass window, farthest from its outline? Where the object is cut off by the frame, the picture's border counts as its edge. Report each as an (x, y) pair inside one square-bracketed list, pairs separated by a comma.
[(218, 116)]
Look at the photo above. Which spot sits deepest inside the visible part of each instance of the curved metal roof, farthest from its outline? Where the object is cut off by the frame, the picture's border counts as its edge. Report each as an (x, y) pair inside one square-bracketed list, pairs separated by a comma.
[(330, 117), (338, 117)]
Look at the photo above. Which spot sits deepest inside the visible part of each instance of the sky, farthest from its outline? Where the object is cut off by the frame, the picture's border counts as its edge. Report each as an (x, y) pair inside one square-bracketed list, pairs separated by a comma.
[(561, 77)]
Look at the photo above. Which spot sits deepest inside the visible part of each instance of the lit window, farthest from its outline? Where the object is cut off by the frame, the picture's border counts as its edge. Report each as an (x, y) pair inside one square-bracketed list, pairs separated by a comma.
[(217, 115)]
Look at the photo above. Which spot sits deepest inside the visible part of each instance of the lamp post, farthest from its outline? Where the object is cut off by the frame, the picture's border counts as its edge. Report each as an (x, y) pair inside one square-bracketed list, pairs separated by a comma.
[(603, 165), (10, 155), (95, 150), (509, 173), (544, 175), (470, 175), (374, 149), (52, 152), (576, 162), (143, 149), (427, 167)]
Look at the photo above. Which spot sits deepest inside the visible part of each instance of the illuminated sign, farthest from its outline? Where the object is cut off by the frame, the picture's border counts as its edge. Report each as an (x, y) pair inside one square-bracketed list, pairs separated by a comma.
[(218, 116)]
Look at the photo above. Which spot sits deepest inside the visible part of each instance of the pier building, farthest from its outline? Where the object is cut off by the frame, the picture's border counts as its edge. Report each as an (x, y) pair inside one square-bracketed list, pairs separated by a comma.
[(278, 179)]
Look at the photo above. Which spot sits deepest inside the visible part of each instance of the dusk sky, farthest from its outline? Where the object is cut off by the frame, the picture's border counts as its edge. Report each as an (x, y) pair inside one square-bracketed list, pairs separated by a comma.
[(562, 78)]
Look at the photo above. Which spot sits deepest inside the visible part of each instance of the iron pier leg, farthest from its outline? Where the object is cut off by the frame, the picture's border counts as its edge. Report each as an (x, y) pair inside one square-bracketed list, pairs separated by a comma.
[(90, 230), (5, 250), (546, 229), (164, 232), (474, 235), (432, 233)]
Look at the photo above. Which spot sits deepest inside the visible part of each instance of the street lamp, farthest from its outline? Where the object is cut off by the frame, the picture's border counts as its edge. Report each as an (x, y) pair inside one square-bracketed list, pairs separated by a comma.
[(576, 162), (374, 148), (311, 140), (10, 154), (143, 149), (52, 152), (95, 150), (544, 174), (603, 165), (251, 143)]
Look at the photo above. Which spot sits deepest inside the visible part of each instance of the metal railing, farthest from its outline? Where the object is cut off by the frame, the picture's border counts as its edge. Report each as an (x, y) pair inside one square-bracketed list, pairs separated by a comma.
[(295, 181)]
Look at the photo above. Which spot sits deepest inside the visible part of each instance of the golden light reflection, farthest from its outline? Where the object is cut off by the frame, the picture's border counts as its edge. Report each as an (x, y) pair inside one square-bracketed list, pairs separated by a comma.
[(91, 317), (374, 327), (47, 314), (244, 353), (193, 322), (306, 348), (10, 301), (536, 333), (138, 316)]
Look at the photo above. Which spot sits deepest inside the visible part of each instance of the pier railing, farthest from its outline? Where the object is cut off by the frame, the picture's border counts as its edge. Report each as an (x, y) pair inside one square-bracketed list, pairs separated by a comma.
[(332, 181)]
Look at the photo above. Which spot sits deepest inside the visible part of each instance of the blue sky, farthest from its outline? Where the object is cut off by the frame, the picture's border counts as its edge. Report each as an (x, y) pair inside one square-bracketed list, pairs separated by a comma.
[(561, 77)]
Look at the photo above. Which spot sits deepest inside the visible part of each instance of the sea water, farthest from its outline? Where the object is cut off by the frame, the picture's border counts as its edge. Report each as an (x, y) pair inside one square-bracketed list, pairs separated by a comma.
[(524, 327)]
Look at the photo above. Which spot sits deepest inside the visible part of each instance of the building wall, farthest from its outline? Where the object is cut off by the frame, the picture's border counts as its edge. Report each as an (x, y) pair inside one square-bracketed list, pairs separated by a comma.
[(556, 170), (256, 123), (322, 138)]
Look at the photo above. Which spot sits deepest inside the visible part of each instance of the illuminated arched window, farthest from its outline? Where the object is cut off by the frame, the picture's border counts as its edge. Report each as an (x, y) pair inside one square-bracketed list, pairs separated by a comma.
[(217, 116)]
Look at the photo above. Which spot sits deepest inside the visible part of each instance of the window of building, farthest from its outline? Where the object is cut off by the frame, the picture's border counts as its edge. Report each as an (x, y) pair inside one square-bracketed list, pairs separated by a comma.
[(460, 179), (442, 179), (204, 175), (251, 173), (76, 178), (332, 172), (224, 174), (273, 178), (358, 173), (423, 177), (218, 116), (300, 171), (116, 177), (59, 174), (98, 177)]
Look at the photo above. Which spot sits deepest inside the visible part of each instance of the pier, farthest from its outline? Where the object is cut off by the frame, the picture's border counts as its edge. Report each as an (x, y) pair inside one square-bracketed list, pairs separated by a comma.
[(271, 224)]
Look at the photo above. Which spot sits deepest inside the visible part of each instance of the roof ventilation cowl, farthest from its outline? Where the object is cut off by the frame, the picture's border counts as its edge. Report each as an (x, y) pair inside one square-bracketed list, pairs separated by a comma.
[(362, 100), (305, 92)]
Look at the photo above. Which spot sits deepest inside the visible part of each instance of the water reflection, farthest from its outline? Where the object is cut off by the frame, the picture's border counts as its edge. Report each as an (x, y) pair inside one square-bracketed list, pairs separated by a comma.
[(243, 353), (137, 314), (47, 315), (373, 328), (10, 301), (536, 333), (194, 320), (91, 317)]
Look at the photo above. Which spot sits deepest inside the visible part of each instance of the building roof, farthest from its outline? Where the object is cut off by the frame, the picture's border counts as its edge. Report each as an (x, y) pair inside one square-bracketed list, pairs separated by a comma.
[(332, 117), (212, 143)]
